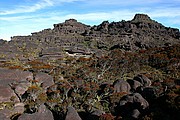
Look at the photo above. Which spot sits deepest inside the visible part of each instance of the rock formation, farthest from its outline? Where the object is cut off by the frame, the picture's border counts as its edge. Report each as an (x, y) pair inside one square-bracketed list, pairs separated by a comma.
[(139, 33)]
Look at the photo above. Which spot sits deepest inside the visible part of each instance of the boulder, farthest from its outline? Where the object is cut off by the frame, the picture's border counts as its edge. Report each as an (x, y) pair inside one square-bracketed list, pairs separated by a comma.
[(146, 82), (134, 98), (135, 113), (72, 114), (121, 86), (148, 93), (42, 114), (132, 105), (134, 84)]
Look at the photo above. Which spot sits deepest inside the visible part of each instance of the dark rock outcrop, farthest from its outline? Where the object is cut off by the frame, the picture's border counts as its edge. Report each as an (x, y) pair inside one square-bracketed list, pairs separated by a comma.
[(2, 41), (132, 105), (149, 93)]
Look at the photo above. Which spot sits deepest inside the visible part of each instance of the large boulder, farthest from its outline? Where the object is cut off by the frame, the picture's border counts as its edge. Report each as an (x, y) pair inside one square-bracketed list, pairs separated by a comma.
[(134, 98), (42, 114), (145, 81), (134, 84), (149, 93), (121, 86), (132, 105)]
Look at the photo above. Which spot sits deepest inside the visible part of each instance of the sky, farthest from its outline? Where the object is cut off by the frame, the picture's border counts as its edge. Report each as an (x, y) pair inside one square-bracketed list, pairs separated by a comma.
[(23, 17)]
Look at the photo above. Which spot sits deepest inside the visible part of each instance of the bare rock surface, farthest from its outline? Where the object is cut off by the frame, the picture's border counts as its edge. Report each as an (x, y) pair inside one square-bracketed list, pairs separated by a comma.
[(72, 114), (42, 114), (9, 76), (9, 113), (14, 83), (9, 80)]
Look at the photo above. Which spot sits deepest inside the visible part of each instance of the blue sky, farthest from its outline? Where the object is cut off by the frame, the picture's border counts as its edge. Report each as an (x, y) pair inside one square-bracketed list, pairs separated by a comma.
[(22, 17)]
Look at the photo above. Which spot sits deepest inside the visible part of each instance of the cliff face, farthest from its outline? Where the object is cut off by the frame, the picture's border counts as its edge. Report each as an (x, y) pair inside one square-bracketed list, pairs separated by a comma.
[(72, 36)]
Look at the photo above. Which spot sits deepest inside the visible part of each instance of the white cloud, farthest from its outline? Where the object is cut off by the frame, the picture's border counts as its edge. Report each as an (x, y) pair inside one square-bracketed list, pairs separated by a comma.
[(117, 15), (14, 19), (25, 9), (114, 15), (37, 6)]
